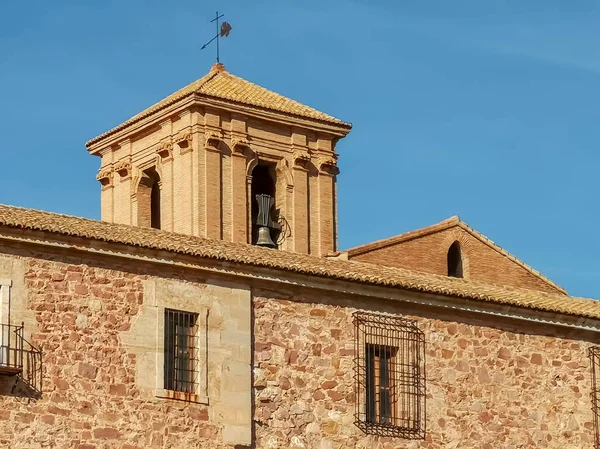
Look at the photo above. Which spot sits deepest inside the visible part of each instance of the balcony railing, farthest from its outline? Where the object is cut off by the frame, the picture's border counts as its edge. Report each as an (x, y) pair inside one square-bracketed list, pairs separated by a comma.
[(19, 357)]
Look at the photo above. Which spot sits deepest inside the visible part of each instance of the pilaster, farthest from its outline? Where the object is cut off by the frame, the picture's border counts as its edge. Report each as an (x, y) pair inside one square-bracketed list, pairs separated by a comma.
[(213, 211), (327, 173), (182, 182), (301, 214), (240, 153), (164, 151), (123, 183)]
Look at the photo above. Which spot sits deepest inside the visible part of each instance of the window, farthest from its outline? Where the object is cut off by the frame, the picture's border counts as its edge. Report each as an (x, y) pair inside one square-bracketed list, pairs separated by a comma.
[(181, 351), (594, 354), (455, 264), (155, 206), (148, 199), (390, 372)]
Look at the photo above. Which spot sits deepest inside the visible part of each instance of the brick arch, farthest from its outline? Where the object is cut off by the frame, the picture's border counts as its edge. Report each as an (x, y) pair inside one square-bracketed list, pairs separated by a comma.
[(465, 249), (141, 192), (252, 163), (137, 172)]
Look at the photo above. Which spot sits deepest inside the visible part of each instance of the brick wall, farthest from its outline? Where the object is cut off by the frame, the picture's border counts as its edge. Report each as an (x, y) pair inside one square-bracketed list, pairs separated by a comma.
[(480, 262), (488, 386), (204, 160)]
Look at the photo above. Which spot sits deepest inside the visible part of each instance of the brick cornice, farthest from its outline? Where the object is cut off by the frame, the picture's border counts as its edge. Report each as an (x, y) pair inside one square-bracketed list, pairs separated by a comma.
[(164, 149), (184, 140), (105, 176)]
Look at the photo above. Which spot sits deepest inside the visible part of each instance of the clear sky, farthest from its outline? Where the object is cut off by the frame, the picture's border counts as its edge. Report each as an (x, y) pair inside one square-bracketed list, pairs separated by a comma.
[(486, 110)]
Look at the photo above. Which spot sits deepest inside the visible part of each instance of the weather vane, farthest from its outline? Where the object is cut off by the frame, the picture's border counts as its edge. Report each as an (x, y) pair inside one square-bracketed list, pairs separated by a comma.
[(222, 31)]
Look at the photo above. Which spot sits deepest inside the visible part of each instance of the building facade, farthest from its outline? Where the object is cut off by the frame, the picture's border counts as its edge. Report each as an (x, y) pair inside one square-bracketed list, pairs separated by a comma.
[(169, 325)]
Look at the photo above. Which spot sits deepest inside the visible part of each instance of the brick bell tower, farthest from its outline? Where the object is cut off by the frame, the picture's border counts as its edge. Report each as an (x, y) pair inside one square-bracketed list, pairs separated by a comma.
[(194, 163)]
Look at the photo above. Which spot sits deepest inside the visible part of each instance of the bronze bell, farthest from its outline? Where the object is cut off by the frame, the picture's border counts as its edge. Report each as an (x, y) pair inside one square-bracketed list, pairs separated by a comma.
[(264, 238)]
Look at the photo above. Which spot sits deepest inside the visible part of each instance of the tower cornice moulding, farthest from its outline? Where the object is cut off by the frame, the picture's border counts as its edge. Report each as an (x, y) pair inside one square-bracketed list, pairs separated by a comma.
[(123, 168), (183, 139), (328, 164), (301, 157), (105, 176), (165, 149), (240, 145), (213, 139)]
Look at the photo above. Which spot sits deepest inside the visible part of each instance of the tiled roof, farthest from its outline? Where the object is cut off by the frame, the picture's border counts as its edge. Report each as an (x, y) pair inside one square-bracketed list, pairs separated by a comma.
[(364, 273), (449, 223), (218, 83)]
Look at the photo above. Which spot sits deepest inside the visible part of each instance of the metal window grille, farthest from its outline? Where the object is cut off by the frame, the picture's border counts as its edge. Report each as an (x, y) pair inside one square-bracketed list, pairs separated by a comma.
[(19, 357), (389, 370), (594, 354), (181, 351)]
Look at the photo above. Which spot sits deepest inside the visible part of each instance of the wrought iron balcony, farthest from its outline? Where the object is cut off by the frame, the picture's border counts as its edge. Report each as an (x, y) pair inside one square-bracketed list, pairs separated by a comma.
[(18, 357)]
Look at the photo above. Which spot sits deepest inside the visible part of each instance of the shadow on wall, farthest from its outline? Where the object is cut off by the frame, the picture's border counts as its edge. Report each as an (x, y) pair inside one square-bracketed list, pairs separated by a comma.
[(17, 386)]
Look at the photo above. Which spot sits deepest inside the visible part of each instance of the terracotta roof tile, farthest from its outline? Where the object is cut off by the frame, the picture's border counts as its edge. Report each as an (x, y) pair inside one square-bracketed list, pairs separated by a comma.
[(364, 273), (449, 223), (218, 83)]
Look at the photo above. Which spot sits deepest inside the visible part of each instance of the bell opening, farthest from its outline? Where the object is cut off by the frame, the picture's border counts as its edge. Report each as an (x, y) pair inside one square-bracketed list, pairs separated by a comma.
[(263, 184)]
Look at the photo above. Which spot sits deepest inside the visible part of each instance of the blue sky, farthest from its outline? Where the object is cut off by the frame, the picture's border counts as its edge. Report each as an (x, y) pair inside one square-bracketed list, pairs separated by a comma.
[(487, 110)]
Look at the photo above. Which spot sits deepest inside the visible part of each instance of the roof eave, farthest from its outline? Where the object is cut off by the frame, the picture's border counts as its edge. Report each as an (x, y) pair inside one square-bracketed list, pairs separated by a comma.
[(447, 300), (338, 128)]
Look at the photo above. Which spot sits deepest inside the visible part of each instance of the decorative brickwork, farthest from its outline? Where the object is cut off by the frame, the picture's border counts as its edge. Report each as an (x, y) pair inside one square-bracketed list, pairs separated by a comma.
[(204, 184), (426, 250)]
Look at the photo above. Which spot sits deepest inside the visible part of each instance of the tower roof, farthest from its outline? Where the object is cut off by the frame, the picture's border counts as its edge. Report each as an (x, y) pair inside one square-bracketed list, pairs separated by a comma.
[(220, 84)]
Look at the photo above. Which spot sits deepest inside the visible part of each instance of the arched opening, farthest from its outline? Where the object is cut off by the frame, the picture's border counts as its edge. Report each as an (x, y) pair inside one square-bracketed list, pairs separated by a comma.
[(455, 263), (263, 182), (155, 205), (148, 200)]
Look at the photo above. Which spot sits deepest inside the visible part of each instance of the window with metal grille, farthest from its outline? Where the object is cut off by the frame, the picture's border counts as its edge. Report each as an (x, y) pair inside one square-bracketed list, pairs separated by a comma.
[(181, 351), (390, 376), (594, 354)]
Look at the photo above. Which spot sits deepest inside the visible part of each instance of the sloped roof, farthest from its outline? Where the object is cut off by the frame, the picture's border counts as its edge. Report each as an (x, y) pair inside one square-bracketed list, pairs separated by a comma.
[(446, 224), (365, 273), (218, 83)]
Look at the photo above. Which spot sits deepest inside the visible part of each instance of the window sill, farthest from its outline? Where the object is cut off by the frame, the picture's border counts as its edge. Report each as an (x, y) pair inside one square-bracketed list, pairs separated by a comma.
[(181, 396)]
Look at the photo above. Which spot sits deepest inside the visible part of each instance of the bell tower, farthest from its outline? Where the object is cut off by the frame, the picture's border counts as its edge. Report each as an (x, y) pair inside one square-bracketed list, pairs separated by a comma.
[(203, 160)]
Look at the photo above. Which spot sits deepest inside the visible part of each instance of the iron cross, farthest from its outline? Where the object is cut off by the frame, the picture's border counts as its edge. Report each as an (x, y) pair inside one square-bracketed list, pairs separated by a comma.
[(222, 31)]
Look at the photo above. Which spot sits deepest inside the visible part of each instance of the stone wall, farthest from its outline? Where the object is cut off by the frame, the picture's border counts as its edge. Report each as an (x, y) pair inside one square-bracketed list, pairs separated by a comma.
[(88, 317), (489, 385)]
